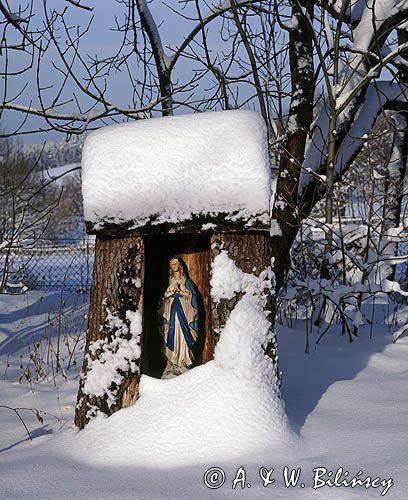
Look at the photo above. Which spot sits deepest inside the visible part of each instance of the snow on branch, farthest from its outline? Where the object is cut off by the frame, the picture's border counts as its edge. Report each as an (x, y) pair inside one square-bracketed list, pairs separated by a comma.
[(86, 117), (359, 10), (366, 58), (154, 36), (378, 96)]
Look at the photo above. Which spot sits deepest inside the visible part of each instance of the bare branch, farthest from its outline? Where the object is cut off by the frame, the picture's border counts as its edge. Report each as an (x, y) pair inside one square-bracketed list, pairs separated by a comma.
[(77, 3)]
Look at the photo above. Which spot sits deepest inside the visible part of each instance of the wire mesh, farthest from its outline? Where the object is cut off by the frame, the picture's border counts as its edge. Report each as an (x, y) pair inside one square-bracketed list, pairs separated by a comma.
[(51, 265)]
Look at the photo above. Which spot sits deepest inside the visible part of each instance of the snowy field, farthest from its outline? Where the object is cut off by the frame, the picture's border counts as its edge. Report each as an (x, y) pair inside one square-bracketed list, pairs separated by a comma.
[(346, 405)]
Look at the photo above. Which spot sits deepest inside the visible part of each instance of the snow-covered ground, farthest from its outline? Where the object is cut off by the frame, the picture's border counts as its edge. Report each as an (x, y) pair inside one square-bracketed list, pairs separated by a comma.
[(346, 405)]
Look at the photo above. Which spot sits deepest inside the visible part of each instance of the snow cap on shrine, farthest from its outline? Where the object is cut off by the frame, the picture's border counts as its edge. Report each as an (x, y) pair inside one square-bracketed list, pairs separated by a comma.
[(203, 170)]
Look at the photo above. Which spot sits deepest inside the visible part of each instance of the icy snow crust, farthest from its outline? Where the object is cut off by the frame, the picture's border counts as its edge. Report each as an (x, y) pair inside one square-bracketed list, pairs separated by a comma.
[(170, 169)]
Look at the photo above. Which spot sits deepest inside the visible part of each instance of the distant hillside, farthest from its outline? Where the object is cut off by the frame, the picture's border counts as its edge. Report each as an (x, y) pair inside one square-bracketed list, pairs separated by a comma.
[(54, 159), (62, 174), (55, 154)]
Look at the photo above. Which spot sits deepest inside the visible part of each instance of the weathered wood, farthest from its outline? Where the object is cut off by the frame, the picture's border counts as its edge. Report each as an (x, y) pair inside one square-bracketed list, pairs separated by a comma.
[(199, 265), (199, 224), (116, 285)]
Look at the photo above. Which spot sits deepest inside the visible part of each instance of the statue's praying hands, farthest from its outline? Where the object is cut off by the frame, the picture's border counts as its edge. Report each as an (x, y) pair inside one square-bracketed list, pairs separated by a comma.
[(178, 318)]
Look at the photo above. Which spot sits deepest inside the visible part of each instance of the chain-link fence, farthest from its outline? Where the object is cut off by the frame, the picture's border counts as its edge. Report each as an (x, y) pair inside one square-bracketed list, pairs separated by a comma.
[(51, 265)]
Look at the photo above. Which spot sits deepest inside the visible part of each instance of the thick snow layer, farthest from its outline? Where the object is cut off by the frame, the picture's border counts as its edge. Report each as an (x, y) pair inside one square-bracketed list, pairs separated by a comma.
[(228, 280), (168, 169), (207, 414), (240, 346)]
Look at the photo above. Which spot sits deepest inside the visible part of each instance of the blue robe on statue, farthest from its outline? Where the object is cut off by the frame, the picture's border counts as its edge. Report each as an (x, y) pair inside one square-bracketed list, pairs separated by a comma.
[(178, 321)]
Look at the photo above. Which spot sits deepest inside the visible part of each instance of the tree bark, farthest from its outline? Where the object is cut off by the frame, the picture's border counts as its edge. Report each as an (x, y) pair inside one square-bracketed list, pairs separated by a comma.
[(395, 173), (293, 146), (117, 275)]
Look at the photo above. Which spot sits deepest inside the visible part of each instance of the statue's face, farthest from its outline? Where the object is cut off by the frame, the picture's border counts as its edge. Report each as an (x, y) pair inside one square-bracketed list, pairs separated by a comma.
[(175, 265)]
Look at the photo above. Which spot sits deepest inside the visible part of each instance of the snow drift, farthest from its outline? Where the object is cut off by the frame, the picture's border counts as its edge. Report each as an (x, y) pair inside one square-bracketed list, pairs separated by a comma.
[(222, 410)]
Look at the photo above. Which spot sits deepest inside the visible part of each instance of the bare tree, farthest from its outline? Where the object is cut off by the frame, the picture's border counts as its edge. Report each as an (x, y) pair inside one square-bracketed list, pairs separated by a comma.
[(26, 206)]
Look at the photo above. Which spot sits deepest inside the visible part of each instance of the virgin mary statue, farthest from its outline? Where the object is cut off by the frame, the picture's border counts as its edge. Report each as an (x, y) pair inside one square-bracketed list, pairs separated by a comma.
[(178, 319)]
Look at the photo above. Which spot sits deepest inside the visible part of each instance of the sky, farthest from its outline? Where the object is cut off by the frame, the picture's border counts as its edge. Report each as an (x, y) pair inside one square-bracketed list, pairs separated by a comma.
[(100, 39)]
